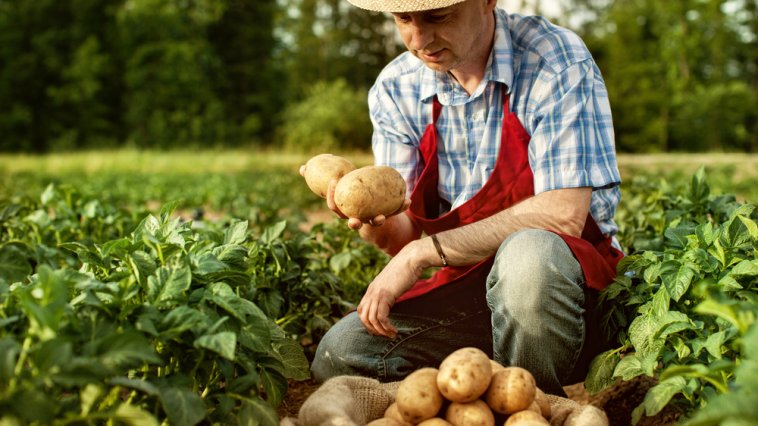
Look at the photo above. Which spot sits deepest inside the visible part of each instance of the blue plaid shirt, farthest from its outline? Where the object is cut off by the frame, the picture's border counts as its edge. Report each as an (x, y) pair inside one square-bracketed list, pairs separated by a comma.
[(556, 91)]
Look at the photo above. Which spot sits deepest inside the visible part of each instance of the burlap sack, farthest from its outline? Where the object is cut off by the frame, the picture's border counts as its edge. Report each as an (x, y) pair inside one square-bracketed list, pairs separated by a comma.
[(355, 401)]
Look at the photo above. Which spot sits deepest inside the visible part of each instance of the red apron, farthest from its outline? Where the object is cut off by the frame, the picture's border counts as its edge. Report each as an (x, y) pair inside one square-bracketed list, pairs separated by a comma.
[(511, 181)]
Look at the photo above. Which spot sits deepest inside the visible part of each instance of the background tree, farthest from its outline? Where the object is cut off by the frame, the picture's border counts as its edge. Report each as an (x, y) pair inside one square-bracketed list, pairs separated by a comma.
[(682, 76)]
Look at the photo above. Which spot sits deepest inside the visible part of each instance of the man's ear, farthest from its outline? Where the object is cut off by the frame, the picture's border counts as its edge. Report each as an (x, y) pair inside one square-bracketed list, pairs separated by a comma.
[(490, 5)]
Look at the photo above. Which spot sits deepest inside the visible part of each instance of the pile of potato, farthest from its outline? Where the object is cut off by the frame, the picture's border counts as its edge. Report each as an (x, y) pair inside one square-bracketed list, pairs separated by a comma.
[(363, 193), (468, 389)]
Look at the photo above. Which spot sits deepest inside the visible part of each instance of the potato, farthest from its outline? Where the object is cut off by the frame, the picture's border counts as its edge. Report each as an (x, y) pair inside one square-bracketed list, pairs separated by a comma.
[(417, 396), (322, 169), (434, 421), (587, 415), (541, 399), (370, 191), (523, 418), (392, 412), (464, 375), (496, 366), (384, 421), (475, 413), (512, 389)]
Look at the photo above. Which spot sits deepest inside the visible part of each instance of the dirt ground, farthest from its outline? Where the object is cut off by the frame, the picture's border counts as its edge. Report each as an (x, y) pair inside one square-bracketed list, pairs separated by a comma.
[(618, 401)]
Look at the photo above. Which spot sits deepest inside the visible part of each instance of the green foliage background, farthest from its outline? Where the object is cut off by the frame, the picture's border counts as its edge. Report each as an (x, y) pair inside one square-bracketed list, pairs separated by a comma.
[(682, 76)]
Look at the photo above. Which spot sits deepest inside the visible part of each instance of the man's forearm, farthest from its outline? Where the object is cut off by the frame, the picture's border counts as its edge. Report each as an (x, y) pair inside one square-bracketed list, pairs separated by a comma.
[(562, 210)]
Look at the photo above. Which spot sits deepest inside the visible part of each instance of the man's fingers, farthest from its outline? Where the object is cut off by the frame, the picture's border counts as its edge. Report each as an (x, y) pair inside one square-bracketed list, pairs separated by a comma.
[(302, 170), (373, 318), (378, 220), (384, 319), (330, 199)]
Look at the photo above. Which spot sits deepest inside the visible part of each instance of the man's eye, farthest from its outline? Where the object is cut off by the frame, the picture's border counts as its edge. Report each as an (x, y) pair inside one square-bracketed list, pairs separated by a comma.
[(438, 18), (402, 18)]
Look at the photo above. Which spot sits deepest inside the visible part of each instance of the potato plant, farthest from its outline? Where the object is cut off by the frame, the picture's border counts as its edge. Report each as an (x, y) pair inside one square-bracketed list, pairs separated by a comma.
[(684, 300), (109, 316)]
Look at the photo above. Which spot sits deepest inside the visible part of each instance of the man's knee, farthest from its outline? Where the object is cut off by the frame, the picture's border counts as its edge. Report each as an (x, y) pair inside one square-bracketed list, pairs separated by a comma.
[(528, 264), (340, 352)]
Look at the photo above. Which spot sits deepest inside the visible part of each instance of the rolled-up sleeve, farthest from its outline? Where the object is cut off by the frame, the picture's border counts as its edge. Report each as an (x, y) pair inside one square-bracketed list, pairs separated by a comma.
[(572, 131)]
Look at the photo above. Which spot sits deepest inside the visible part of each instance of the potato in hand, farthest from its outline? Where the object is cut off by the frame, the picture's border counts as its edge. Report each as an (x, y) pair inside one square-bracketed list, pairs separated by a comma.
[(370, 191), (324, 168)]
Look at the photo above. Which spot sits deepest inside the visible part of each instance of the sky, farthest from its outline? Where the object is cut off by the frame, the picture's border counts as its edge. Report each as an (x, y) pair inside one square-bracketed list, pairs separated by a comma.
[(525, 7)]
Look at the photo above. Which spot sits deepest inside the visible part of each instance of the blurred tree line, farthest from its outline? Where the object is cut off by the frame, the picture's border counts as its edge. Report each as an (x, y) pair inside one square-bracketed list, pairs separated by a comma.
[(77, 74)]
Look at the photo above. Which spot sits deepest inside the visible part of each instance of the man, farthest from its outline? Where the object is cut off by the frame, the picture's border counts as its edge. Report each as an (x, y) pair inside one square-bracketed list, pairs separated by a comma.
[(501, 127)]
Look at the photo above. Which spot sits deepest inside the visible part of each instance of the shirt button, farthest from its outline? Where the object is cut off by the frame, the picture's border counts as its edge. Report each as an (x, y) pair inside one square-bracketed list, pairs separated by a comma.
[(477, 116)]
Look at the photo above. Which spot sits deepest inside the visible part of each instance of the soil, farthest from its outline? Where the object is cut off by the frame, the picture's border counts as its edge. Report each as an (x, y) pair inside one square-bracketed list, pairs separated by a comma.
[(618, 401)]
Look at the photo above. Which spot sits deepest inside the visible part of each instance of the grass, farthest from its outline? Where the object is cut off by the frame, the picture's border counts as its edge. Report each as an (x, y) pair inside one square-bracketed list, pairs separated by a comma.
[(733, 173)]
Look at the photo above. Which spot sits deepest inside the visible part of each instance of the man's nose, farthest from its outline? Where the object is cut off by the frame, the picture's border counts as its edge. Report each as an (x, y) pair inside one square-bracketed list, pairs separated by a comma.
[(421, 35)]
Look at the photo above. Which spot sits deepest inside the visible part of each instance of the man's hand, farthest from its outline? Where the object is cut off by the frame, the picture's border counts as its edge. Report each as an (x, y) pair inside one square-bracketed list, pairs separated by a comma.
[(396, 278)]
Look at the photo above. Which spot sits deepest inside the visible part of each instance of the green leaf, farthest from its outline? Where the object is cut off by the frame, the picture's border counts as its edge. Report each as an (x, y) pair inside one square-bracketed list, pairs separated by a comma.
[(746, 268), (231, 255), (714, 343), (689, 370), (88, 396), (677, 237), (14, 265), (679, 283), (223, 343), (45, 302), (207, 263), (705, 234), (255, 412), (629, 367), (729, 409), (273, 232), (340, 261), (52, 354), (135, 416), (35, 405), (48, 194), (9, 350), (256, 336), (182, 406), (166, 288), (600, 375), (236, 232), (726, 312), (223, 296), (275, 385), (642, 333), (136, 384), (143, 265), (181, 319), (659, 395), (717, 250), (127, 349), (750, 342), (293, 358), (751, 226)]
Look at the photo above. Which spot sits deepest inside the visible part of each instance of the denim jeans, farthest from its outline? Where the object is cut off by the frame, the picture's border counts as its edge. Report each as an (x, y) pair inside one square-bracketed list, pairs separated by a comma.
[(534, 312)]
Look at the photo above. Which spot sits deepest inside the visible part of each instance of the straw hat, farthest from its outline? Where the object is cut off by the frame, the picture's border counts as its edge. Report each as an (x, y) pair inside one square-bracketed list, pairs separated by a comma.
[(403, 5)]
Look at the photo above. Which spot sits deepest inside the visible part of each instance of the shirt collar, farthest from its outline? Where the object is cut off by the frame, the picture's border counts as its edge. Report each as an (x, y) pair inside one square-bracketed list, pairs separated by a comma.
[(499, 69)]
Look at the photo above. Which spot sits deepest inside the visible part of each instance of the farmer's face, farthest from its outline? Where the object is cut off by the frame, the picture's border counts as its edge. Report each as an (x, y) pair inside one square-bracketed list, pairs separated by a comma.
[(446, 39)]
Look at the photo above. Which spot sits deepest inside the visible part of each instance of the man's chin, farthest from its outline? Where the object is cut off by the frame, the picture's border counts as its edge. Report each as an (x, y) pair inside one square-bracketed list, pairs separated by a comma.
[(438, 66)]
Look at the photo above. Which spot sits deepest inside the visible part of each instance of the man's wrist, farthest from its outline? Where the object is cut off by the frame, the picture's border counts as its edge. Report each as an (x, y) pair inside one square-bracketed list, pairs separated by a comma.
[(424, 253)]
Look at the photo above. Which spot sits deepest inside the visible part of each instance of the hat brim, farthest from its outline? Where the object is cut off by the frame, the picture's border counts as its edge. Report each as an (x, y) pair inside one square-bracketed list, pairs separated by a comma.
[(400, 6)]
